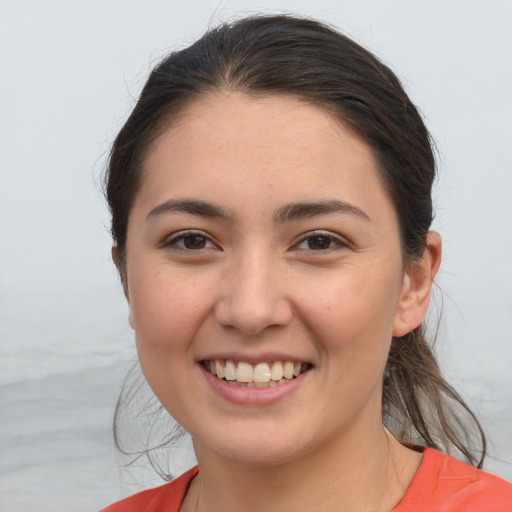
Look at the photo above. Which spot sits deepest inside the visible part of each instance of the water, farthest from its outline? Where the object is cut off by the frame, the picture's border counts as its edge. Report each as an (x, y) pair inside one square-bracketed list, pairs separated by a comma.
[(61, 369), (57, 448)]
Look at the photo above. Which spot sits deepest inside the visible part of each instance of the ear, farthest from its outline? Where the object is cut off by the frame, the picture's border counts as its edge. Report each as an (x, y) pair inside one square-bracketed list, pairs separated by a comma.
[(121, 268), (417, 287)]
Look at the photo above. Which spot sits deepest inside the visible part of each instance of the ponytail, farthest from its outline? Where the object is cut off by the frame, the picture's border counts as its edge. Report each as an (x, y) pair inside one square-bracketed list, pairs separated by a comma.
[(420, 408)]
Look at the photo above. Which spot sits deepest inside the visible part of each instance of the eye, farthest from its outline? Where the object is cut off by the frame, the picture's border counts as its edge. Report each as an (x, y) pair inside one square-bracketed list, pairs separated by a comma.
[(321, 241), (189, 241)]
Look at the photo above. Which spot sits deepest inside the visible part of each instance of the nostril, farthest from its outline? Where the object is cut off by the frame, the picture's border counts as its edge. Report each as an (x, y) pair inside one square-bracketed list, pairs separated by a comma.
[(252, 315)]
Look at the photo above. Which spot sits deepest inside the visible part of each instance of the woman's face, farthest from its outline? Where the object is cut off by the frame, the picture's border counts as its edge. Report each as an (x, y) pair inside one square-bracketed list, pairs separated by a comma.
[(262, 241)]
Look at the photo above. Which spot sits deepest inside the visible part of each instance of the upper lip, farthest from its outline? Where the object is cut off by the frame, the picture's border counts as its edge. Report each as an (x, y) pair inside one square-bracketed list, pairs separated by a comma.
[(263, 357)]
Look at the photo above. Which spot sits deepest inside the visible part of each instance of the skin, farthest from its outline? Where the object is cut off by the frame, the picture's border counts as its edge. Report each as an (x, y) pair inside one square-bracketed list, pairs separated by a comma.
[(254, 286)]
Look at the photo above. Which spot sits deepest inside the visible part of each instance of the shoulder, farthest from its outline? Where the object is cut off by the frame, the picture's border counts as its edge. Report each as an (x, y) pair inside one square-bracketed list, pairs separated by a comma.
[(446, 484), (166, 498)]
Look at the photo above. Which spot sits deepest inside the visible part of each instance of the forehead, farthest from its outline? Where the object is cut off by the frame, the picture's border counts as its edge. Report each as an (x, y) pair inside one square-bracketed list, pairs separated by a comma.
[(281, 138), (269, 119)]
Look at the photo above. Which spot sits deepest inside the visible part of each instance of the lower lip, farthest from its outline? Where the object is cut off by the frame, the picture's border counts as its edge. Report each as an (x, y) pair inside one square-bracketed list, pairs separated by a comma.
[(253, 396)]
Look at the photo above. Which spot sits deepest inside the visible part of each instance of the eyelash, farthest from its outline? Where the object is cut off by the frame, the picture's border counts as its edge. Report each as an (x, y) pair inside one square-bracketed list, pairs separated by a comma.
[(339, 243), (176, 238), (328, 237)]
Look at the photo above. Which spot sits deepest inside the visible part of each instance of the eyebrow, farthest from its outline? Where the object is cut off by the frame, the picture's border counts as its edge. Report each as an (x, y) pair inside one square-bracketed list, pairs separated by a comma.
[(192, 206), (305, 209), (287, 213)]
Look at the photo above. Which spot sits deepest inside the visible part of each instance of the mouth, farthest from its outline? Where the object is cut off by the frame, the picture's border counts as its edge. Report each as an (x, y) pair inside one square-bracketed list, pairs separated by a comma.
[(261, 375)]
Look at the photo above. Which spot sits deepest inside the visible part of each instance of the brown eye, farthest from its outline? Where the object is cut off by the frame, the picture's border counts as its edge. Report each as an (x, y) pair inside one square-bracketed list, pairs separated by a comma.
[(319, 242), (194, 242), (189, 241)]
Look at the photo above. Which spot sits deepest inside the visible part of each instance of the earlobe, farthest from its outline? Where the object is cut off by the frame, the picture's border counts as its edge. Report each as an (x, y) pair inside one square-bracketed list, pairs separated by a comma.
[(130, 318), (115, 256), (417, 287)]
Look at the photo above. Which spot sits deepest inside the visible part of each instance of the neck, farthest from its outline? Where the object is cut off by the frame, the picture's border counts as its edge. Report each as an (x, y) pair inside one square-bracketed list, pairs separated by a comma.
[(342, 475)]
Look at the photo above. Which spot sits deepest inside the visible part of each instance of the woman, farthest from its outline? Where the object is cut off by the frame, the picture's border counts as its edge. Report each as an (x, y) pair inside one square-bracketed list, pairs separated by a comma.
[(271, 205)]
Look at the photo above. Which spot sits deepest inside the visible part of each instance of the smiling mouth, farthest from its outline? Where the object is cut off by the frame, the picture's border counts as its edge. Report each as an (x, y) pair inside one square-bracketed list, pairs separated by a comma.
[(261, 375)]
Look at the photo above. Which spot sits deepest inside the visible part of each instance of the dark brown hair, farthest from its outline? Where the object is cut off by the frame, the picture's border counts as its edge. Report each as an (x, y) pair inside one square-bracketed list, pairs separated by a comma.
[(296, 56)]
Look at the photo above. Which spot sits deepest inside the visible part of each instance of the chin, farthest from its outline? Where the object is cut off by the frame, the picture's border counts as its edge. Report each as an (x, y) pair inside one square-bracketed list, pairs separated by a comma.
[(264, 448), (258, 456)]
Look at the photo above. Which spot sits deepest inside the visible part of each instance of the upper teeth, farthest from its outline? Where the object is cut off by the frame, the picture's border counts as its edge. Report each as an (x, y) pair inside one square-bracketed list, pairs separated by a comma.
[(246, 372)]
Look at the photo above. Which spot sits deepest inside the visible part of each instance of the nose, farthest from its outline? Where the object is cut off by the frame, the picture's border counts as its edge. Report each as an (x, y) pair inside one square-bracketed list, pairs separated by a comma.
[(253, 296)]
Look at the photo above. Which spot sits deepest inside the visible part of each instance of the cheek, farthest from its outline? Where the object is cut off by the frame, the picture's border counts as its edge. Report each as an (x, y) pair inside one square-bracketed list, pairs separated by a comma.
[(166, 317), (165, 310), (352, 320), (355, 304)]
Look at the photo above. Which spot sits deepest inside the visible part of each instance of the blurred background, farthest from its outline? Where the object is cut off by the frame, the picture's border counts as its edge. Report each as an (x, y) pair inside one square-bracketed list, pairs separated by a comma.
[(70, 72)]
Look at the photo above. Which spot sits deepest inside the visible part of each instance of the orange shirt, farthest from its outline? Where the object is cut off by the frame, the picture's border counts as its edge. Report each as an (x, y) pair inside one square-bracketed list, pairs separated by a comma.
[(441, 484), (445, 484), (166, 498)]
